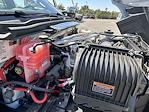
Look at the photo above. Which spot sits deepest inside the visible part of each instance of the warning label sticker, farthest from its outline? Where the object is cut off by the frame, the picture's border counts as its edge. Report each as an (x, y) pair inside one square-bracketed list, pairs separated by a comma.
[(103, 88)]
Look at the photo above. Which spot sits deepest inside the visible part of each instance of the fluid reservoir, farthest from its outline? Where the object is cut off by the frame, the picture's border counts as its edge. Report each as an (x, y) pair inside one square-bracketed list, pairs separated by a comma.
[(33, 63)]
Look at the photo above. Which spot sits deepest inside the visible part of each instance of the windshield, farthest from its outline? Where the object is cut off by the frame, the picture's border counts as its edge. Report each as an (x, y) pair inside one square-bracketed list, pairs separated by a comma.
[(39, 6)]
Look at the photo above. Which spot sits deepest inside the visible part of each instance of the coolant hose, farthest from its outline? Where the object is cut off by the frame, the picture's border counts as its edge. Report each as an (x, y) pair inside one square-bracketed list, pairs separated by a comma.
[(22, 84), (35, 99)]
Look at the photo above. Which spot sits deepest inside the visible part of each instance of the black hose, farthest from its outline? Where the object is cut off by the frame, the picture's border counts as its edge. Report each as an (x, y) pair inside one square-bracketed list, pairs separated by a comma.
[(22, 84), (51, 42)]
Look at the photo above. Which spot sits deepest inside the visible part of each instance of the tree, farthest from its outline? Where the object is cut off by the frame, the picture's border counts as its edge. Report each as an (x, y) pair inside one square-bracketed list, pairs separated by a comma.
[(85, 10), (98, 13), (61, 7), (114, 14)]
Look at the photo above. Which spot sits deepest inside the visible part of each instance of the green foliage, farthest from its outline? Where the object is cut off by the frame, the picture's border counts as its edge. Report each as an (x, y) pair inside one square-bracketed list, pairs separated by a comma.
[(61, 7), (85, 10), (99, 14)]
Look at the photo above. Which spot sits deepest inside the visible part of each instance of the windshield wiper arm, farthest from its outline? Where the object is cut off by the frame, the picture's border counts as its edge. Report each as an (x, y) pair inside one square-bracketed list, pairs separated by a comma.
[(30, 14), (59, 15)]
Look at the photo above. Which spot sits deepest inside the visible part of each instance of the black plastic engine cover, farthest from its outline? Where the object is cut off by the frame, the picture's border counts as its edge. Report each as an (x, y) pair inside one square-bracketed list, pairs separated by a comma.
[(108, 79)]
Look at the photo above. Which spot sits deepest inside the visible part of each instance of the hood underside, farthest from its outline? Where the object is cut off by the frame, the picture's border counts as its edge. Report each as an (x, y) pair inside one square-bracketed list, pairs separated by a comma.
[(135, 17), (134, 3)]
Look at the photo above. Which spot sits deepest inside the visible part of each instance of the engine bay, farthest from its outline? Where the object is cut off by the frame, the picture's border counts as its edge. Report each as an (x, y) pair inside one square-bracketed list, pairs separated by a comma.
[(101, 68), (48, 65)]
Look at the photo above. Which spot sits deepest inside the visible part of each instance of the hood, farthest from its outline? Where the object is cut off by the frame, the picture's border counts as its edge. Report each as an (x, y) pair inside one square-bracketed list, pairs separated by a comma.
[(135, 17), (128, 7), (134, 3)]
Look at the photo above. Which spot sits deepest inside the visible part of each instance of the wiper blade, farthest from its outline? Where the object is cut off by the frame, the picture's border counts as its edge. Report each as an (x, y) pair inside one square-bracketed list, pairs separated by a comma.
[(19, 13), (27, 14), (6, 13)]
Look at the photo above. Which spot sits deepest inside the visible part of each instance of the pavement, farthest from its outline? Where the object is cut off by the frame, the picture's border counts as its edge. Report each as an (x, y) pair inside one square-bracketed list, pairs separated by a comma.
[(99, 25)]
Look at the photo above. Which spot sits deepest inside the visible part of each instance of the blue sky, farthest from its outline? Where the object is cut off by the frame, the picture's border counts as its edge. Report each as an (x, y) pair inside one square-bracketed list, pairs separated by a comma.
[(94, 4)]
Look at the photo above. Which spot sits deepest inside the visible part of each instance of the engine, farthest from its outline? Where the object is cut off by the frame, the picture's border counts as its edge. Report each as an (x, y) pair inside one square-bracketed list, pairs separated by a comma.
[(101, 71), (111, 76), (114, 80)]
